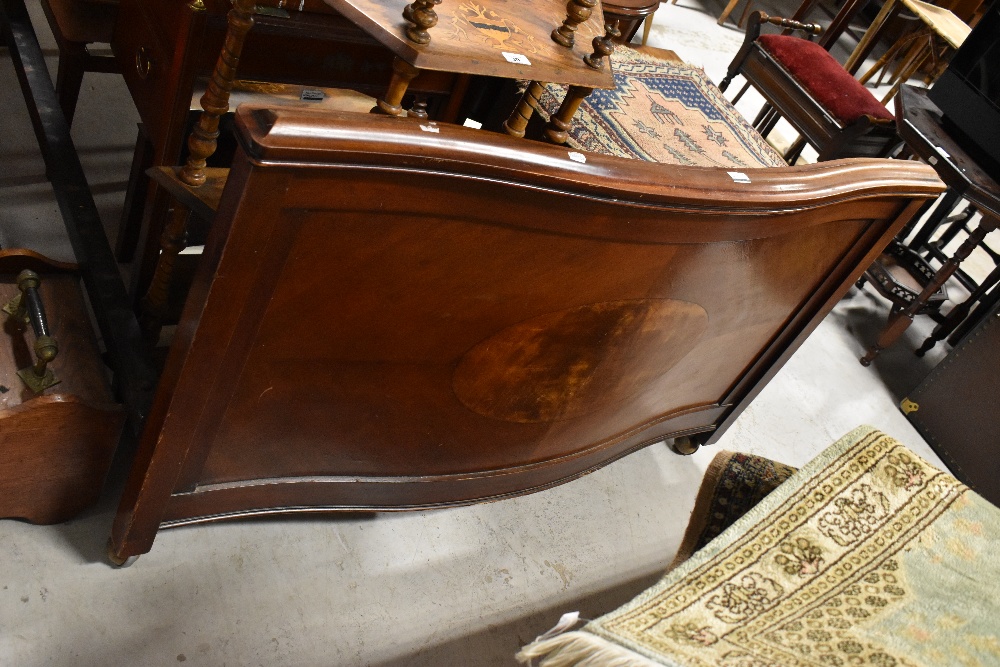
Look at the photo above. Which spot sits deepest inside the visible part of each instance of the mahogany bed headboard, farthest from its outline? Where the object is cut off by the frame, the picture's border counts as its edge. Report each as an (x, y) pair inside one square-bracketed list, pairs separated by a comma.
[(395, 314)]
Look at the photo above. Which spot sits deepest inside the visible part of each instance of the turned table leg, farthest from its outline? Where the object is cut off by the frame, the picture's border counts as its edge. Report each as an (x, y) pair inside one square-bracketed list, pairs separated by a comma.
[(154, 304), (215, 101), (201, 145), (402, 74), (577, 11), (423, 17), (959, 312), (518, 120), (557, 131)]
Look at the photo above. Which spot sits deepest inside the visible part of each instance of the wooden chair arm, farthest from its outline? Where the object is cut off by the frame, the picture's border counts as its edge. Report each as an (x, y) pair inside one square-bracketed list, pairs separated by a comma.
[(760, 18)]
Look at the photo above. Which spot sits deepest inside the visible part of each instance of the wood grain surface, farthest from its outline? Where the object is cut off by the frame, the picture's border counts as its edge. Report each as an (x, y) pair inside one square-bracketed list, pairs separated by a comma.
[(55, 447), (471, 37), (394, 314)]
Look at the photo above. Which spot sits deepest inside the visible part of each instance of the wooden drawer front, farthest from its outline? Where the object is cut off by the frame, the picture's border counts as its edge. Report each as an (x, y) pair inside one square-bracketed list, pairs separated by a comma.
[(145, 63)]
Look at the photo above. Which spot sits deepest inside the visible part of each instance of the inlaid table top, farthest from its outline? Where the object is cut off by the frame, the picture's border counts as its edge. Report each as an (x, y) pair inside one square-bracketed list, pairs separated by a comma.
[(503, 38)]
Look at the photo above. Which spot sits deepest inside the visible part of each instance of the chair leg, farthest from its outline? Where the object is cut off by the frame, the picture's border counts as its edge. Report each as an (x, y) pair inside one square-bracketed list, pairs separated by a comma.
[(69, 78), (130, 223), (744, 89), (727, 11), (771, 119), (910, 70), (647, 25), (902, 63), (958, 314), (795, 150)]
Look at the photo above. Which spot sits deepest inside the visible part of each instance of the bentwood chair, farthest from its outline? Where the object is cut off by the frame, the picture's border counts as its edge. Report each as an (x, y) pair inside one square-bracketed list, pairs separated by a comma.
[(804, 84)]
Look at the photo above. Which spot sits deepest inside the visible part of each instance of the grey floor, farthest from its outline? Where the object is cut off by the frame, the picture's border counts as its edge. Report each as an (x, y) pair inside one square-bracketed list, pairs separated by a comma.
[(462, 586)]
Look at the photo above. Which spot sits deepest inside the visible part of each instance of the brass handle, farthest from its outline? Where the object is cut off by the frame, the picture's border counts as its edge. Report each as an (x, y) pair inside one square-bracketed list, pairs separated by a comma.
[(143, 64), (26, 308)]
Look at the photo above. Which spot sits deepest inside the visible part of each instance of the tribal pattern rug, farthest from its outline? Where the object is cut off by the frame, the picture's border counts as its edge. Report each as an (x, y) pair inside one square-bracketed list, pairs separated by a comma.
[(662, 111), (733, 485), (867, 556)]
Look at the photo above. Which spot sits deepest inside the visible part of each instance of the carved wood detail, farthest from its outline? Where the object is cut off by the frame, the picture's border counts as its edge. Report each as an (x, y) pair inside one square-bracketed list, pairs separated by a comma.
[(557, 131), (577, 11), (392, 103), (519, 117), (603, 45), (215, 101), (423, 17)]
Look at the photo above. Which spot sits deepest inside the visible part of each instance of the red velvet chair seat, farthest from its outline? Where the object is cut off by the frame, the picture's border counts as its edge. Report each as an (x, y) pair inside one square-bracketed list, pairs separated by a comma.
[(824, 78)]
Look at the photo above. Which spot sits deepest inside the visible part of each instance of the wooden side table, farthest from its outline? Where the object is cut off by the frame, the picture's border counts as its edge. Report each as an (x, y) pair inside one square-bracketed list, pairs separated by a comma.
[(919, 123), (488, 38)]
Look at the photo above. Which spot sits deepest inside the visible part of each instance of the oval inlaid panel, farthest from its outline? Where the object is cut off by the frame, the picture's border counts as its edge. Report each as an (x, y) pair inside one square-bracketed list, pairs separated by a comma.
[(568, 363)]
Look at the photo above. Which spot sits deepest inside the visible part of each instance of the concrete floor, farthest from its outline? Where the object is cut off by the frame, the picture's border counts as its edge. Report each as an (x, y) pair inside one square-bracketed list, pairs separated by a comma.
[(463, 586)]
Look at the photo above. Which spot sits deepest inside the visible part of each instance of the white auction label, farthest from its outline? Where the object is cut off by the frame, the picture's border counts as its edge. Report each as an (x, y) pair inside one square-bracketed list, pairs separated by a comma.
[(738, 177), (516, 58), (430, 128), (578, 157)]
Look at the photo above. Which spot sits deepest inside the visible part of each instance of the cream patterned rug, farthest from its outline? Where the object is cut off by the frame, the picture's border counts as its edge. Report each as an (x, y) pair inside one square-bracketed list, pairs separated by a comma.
[(867, 556)]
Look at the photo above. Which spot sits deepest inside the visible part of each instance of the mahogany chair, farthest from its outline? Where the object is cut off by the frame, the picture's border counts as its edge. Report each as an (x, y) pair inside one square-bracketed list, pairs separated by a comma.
[(76, 24), (803, 83)]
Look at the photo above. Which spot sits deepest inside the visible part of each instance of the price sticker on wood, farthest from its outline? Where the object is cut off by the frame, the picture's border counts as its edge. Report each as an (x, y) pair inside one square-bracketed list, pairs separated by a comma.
[(516, 58)]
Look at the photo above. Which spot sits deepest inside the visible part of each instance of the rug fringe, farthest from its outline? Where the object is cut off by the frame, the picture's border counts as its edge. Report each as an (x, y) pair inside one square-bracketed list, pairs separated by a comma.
[(580, 649)]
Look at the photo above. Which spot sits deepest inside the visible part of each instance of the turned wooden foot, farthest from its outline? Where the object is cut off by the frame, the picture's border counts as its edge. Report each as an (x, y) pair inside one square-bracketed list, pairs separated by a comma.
[(684, 445)]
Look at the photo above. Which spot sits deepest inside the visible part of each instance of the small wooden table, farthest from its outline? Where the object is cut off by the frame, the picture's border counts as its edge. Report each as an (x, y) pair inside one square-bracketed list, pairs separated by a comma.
[(511, 40), (919, 123)]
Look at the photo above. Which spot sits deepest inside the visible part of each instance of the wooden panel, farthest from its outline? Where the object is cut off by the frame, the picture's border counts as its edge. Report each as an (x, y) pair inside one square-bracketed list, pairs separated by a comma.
[(499, 345), (392, 314)]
